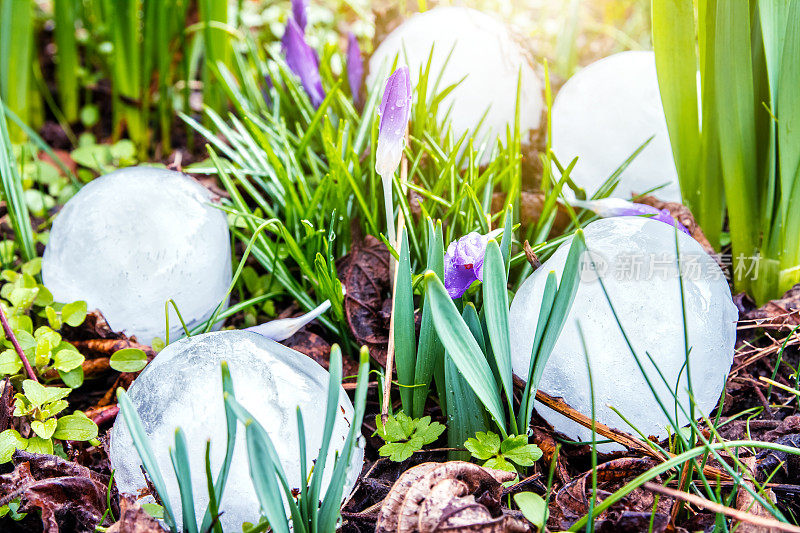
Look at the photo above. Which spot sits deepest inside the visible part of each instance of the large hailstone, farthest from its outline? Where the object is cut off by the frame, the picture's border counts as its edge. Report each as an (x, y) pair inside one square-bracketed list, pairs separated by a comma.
[(135, 238), (182, 387), (603, 114), (636, 258), (484, 51)]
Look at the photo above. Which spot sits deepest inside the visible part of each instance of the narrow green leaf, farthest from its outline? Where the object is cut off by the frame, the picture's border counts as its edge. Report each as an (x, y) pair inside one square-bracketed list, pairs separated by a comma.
[(180, 463), (142, 445), (405, 336), (430, 351), (495, 308), (463, 349)]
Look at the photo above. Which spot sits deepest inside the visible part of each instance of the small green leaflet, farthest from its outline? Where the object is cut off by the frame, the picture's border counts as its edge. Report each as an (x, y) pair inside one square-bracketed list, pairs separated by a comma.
[(500, 455), (404, 435), (128, 360)]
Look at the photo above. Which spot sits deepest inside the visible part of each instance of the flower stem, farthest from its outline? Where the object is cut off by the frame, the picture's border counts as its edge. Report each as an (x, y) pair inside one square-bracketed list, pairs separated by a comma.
[(389, 206), (10, 335)]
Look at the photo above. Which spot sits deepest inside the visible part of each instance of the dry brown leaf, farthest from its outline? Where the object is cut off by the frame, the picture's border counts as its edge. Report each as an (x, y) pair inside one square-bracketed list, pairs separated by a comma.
[(69, 495), (365, 274), (133, 519)]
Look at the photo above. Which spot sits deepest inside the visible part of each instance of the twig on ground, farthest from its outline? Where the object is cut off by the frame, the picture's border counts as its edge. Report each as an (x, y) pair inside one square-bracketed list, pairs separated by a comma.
[(741, 516)]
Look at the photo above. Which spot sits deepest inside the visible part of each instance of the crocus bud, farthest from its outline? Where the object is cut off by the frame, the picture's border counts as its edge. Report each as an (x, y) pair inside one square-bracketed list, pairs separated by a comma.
[(355, 67), (299, 13), (617, 207), (395, 111), (463, 262), (302, 61)]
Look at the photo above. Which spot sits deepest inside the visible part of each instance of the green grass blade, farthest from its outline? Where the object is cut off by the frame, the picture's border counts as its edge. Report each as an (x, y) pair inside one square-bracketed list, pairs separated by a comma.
[(14, 195), (67, 62)]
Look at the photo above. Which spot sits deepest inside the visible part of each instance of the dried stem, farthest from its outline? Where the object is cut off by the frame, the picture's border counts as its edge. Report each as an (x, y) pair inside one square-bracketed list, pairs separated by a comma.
[(741, 516), (387, 386), (10, 335)]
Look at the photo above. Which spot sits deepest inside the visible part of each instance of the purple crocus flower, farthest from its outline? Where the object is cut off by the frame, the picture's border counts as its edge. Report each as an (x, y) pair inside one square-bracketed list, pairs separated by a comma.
[(299, 13), (355, 67), (463, 263), (302, 61), (395, 111), (617, 207)]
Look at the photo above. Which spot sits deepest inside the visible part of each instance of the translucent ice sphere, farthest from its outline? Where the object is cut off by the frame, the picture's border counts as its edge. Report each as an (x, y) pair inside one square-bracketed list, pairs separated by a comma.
[(603, 114), (636, 259), (133, 239), (182, 387), (481, 50)]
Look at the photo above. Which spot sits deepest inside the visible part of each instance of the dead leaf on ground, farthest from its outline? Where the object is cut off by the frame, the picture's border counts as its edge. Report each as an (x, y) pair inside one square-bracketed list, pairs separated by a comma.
[(133, 519), (746, 502), (317, 348), (70, 496), (783, 313), (452, 496), (572, 500), (365, 274)]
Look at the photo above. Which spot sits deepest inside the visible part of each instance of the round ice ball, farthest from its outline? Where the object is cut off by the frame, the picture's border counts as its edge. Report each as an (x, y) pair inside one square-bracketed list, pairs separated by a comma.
[(484, 51), (182, 387), (636, 258), (603, 114), (133, 239)]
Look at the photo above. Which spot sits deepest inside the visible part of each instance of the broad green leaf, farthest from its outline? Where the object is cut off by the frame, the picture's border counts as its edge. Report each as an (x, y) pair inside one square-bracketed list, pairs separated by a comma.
[(40, 395), (76, 426), (533, 508), (500, 463), (483, 445), (128, 360), (10, 363), (11, 440), (22, 298), (463, 349), (40, 445), (44, 429), (518, 450), (67, 360), (74, 313), (72, 379)]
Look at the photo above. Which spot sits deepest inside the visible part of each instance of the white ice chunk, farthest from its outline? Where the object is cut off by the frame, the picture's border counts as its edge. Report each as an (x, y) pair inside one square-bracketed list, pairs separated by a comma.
[(636, 258), (603, 114), (135, 238), (485, 52), (181, 387)]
